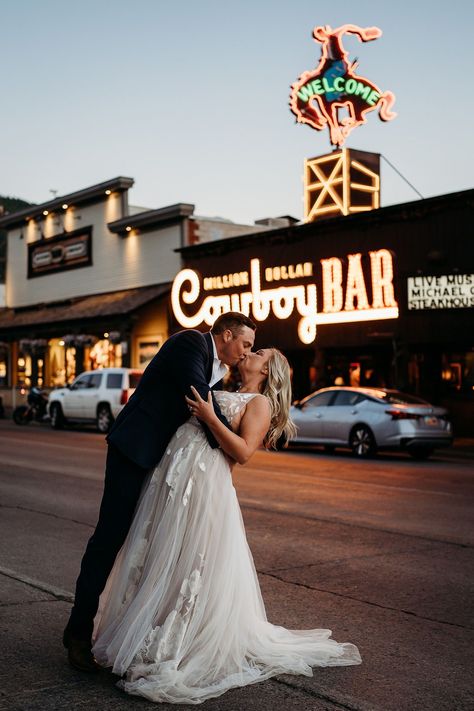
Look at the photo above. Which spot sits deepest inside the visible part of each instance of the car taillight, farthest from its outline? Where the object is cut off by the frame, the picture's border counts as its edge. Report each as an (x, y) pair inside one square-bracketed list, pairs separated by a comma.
[(401, 415), (124, 397)]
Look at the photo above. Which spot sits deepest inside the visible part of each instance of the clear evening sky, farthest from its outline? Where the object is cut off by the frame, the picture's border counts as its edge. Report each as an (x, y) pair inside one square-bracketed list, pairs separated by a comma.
[(190, 98)]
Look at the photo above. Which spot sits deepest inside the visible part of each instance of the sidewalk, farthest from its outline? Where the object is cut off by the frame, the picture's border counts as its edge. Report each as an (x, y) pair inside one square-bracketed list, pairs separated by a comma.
[(463, 447)]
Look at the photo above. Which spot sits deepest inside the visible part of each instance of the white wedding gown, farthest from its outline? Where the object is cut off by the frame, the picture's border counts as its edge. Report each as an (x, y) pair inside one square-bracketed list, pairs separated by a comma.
[(182, 617)]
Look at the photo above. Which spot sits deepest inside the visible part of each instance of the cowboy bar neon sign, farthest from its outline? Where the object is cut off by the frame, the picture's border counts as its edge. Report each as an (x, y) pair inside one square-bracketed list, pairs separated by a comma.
[(319, 95), (344, 292)]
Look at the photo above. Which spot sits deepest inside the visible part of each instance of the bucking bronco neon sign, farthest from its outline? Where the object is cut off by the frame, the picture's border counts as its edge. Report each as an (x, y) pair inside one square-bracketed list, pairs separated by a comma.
[(319, 95)]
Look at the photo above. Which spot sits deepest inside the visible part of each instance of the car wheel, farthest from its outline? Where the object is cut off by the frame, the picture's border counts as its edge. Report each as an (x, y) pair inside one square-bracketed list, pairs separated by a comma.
[(362, 442), (57, 417), (420, 452), (104, 419)]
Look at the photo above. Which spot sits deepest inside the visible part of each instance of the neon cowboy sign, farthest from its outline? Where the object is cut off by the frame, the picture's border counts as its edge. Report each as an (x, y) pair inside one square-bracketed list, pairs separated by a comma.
[(344, 293), (319, 95)]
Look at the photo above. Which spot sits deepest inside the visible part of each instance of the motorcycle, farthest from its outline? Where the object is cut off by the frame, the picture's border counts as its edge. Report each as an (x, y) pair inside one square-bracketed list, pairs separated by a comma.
[(35, 409)]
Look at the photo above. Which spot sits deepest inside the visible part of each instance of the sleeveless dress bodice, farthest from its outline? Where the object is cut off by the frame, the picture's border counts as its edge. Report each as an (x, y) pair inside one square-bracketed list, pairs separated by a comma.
[(232, 404)]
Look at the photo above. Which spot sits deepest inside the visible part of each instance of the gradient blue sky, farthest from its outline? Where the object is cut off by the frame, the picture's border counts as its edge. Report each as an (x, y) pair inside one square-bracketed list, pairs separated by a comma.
[(191, 98)]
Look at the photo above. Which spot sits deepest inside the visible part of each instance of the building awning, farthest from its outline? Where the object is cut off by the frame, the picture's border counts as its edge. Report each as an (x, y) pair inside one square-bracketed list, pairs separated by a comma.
[(152, 219), (84, 308)]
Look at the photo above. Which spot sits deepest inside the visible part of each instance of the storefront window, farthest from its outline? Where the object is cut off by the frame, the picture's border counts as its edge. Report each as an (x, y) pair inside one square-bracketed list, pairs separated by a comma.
[(70, 361), (71, 355), (4, 363), (23, 370), (415, 363), (104, 354), (457, 372), (468, 379), (40, 372), (30, 363), (57, 362), (354, 375)]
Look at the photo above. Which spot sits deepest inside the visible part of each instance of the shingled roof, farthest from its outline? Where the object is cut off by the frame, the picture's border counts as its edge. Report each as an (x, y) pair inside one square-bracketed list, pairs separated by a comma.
[(82, 308)]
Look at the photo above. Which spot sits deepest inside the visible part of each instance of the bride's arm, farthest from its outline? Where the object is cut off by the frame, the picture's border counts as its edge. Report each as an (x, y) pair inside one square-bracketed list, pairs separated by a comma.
[(253, 426)]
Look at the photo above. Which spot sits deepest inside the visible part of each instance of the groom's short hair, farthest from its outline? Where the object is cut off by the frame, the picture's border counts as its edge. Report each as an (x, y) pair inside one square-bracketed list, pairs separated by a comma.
[(232, 320)]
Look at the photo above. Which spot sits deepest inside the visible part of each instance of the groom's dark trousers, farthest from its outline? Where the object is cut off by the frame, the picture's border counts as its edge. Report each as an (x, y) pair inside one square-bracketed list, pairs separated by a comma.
[(123, 482), (137, 442)]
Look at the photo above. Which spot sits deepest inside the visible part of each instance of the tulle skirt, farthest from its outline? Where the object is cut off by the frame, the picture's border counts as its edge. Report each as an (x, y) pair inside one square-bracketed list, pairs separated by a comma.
[(182, 619)]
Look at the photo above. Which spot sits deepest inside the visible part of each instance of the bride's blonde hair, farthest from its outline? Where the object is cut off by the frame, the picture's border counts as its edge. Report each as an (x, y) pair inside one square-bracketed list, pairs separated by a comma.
[(277, 389)]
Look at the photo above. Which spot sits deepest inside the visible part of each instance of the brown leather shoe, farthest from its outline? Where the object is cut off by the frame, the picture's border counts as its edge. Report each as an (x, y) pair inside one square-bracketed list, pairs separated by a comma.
[(80, 656)]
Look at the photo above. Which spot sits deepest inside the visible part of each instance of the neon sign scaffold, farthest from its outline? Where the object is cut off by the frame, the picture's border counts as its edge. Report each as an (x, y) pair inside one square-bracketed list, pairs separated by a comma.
[(318, 96)]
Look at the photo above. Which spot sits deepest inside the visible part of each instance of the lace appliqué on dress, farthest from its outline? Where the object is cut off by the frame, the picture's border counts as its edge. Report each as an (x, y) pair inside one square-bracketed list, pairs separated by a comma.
[(160, 651), (232, 404)]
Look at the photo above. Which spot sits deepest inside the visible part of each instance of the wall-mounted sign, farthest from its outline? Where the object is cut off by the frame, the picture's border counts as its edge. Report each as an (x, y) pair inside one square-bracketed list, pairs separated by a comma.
[(280, 290), (57, 254), (148, 347), (449, 291), (333, 95)]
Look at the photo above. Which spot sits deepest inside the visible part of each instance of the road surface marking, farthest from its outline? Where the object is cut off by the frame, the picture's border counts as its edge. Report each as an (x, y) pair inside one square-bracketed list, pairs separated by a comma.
[(58, 593)]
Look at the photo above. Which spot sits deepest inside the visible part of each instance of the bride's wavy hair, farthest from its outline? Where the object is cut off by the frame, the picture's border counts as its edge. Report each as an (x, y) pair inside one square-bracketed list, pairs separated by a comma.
[(277, 389)]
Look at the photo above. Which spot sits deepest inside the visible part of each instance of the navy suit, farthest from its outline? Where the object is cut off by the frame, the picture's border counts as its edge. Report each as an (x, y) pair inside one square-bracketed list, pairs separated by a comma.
[(137, 442)]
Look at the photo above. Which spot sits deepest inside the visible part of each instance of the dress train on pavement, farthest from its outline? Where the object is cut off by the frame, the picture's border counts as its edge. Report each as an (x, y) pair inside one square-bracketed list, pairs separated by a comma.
[(181, 618)]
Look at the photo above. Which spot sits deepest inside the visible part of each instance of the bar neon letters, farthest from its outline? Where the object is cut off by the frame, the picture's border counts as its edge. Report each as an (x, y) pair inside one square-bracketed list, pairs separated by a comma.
[(282, 301)]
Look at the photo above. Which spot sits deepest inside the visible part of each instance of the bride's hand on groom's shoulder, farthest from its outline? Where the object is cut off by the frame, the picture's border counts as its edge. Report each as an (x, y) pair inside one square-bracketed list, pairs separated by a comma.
[(202, 409)]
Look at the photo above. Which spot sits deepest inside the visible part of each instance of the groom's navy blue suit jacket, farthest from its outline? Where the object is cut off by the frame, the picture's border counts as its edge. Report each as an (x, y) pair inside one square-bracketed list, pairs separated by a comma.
[(157, 408)]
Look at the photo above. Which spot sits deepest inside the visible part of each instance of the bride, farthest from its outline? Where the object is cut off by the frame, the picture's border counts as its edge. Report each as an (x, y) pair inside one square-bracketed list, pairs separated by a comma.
[(182, 618)]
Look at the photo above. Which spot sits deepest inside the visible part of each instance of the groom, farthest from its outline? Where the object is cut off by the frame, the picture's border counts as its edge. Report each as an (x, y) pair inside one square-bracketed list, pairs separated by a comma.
[(137, 442)]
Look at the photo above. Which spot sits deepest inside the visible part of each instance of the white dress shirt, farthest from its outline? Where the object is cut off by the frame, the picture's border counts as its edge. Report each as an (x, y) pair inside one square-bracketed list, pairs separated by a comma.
[(219, 370)]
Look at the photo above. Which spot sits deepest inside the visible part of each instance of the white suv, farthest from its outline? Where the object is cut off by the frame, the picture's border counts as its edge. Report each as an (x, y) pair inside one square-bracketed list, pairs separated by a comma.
[(94, 396)]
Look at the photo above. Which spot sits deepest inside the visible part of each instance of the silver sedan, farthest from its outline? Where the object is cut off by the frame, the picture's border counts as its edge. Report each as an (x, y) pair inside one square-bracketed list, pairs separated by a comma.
[(368, 419)]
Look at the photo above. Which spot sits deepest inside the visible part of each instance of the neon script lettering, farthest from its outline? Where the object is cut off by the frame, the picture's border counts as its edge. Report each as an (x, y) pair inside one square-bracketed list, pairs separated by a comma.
[(345, 297)]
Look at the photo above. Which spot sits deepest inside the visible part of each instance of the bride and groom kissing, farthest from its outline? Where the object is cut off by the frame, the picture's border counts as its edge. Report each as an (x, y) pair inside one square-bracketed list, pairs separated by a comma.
[(167, 595)]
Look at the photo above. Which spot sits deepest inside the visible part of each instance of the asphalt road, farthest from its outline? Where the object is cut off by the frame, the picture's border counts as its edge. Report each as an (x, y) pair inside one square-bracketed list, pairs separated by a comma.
[(379, 551)]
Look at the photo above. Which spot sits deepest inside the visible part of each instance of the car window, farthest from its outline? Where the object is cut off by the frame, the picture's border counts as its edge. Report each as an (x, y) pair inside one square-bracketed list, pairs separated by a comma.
[(114, 381), (347, 397), (398, 398), (95, 379), (81, 382), (134, 378), (320, 400)]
